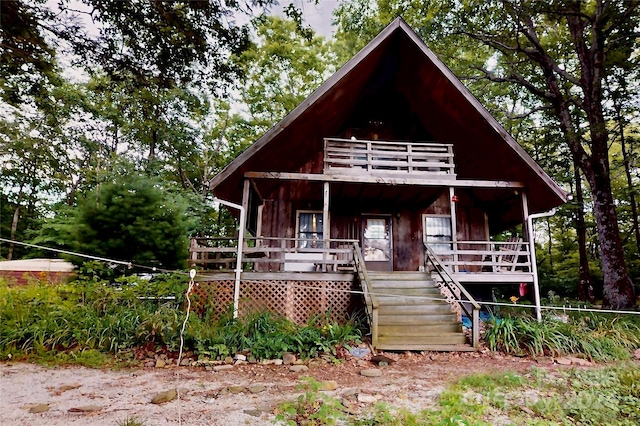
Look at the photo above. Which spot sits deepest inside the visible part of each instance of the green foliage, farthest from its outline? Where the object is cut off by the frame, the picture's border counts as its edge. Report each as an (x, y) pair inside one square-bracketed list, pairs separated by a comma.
[(129, 217), (131, 421), (582, 397), (592, 336), (267, 336), (454, 409), (312, 407), (79, 321), (609, 395)]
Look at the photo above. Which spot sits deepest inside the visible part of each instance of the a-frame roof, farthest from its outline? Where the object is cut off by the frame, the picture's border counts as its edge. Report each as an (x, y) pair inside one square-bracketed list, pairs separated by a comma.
[(396, 67)]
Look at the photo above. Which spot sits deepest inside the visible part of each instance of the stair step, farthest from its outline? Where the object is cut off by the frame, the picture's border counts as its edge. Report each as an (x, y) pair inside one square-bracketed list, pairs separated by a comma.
[(427, 292), (403, 284), (419, 330), (416, 320), (449, 339), (400, 276), (423, 309), (410, 300), (413, 314), (428, 347)]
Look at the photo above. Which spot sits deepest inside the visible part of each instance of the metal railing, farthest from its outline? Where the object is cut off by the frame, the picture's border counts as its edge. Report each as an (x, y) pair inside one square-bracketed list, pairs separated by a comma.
[(455, 293), (413, 158), (370, 300)]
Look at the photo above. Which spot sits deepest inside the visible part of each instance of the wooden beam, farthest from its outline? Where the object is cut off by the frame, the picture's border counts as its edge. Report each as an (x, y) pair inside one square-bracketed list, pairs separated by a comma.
[(245, 201), (454, 226), (385, 180), (255, 188), (525, 214), (325, 224)]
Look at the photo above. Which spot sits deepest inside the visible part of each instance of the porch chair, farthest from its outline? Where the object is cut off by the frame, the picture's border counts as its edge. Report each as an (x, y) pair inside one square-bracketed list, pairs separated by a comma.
[(508, 255)]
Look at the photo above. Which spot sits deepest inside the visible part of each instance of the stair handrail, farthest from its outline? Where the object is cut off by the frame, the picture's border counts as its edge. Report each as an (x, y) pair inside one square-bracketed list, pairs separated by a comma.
[(452, 285), (370, 300)]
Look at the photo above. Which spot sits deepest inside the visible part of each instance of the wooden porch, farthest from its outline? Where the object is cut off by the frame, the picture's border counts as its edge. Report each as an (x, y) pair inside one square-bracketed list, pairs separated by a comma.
[(419, 310), (490, 262)]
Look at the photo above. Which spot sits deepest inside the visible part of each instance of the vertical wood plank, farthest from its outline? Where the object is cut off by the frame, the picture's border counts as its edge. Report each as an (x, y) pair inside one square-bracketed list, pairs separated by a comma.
[(454, 228), (245, 201), (525, 214), (325, 225)]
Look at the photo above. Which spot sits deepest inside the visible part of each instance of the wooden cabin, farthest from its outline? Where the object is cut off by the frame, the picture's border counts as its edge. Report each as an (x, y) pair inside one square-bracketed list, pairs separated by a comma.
[(384, 189)]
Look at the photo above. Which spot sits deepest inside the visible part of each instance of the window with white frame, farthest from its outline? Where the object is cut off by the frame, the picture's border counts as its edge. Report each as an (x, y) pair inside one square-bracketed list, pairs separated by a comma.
[(309, 229), (437, 232)]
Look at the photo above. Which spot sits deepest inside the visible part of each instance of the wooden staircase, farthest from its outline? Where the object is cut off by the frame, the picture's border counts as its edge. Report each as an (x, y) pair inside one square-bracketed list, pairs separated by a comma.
[(409, 322)]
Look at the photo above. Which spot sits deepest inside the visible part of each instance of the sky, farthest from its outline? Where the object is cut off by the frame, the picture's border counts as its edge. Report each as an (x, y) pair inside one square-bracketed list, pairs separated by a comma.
[(317, 16)]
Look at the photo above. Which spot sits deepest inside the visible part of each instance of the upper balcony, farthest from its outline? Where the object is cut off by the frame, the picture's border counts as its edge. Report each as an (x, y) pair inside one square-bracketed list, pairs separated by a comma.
[(411, 159)]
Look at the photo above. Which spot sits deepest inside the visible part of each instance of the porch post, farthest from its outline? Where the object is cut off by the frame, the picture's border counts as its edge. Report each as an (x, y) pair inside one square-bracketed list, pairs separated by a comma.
[(528, 228), (245, 201), (325, 225), (454, 229), (236, 289), (525, 213)]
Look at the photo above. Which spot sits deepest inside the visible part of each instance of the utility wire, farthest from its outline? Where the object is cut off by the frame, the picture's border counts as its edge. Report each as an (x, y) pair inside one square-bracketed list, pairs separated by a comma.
[(92, 257), (359, 292)]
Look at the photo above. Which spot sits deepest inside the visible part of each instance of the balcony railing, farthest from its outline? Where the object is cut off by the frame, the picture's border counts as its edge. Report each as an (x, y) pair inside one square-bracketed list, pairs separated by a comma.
[(482, 257), (407, 158)]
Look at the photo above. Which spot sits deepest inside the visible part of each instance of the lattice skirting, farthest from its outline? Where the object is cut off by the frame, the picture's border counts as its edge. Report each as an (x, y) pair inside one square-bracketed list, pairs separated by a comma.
[(296, 300)]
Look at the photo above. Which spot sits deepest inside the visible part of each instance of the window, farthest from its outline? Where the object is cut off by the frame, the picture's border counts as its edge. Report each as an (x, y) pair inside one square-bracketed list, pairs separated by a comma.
[(436, 229), (309, 229), (376, 244)]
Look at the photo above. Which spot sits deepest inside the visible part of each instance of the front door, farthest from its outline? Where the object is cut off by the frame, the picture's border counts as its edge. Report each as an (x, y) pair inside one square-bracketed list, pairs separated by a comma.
[(376, 243)]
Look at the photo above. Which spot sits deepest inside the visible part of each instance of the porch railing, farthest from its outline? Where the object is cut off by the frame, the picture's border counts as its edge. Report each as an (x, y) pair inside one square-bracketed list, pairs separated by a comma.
[(484, 256), (273, 254), (408, 158), (370, 300), (455, 293)]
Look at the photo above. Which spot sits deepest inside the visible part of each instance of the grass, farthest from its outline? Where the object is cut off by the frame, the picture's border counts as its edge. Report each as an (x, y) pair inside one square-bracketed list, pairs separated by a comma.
[(594, 337), (605, 395), (92, 323)]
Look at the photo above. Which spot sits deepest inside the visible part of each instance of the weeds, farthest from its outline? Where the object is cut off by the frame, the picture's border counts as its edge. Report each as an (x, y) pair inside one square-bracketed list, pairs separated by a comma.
[(311, 408), (131, 421)]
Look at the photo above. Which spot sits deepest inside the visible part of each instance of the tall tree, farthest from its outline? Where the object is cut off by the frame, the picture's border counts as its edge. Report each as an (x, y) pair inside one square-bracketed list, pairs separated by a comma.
[(282, 66), (560, 52)]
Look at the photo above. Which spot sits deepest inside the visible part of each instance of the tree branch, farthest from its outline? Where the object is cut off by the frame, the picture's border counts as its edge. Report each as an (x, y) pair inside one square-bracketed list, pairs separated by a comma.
[(518, 79)]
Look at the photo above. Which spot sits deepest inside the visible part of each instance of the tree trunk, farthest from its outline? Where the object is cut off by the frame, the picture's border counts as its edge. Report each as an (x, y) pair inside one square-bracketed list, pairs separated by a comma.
[(632, 191), (549, 246), (627, 170), (618, 290), (14, 228), (585, 280)]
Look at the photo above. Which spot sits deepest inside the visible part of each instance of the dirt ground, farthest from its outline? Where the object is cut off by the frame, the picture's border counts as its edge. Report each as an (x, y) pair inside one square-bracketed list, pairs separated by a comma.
[(245, 394)]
